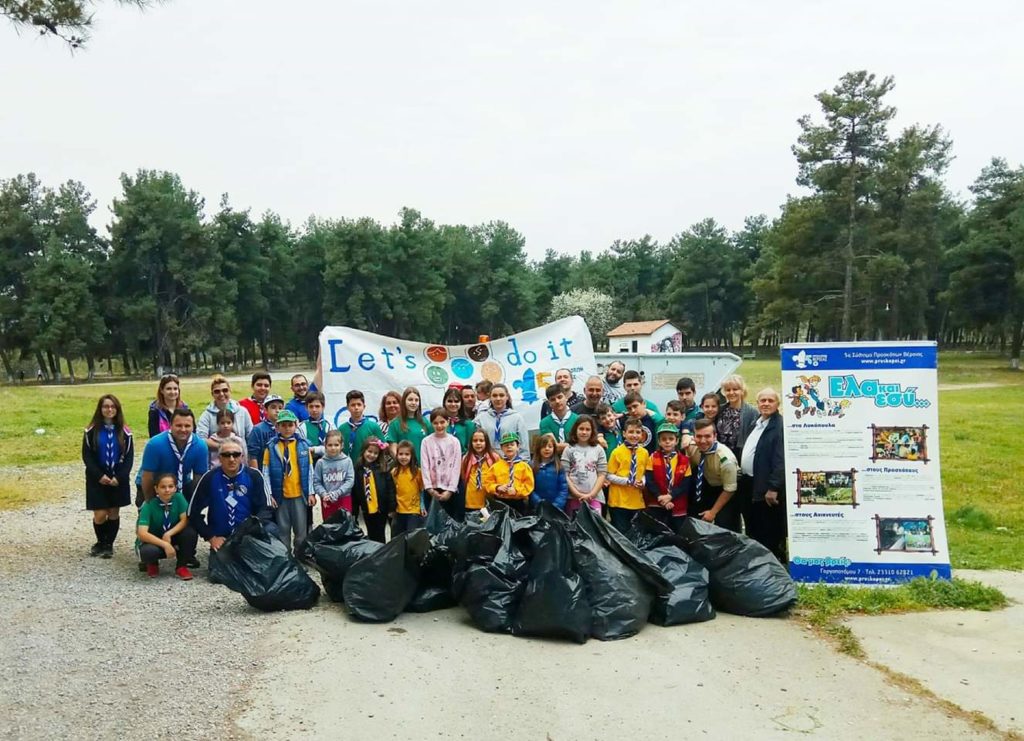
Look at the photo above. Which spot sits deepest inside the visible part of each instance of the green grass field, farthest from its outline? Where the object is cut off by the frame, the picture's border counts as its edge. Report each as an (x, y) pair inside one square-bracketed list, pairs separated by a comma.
[(983, 454)]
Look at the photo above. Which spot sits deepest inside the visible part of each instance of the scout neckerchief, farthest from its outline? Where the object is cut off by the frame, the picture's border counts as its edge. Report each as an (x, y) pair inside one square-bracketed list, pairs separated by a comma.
[(353, 428), (167, 512), (368, 488), (286, 454), (180, 456), (259, 405), (632, 463), (700, 469), (670, 461), (109, 447), (561, 424), (452, 422), (497, 423), (321, 430), (478, 460)]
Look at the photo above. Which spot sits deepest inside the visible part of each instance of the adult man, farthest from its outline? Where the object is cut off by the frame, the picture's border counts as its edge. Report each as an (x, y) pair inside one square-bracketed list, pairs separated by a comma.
[(469, 401), (297, 404), (563, 378), (179, 451), (613, 390), (260, 385), (632, 381), (715, 478), (206, 427), (226, 496), (764, 477), (593, 397)]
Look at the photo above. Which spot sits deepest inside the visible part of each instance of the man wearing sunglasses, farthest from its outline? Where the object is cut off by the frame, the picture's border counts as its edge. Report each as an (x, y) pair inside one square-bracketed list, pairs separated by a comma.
[(227, 495)]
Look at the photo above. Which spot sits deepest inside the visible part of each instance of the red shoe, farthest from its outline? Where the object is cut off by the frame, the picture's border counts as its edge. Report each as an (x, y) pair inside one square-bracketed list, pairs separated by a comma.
[(183, 573), (152, 570)]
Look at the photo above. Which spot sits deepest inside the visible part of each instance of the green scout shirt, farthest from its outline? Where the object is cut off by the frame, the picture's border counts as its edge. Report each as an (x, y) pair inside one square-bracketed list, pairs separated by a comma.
[(351, 443), (417, 429), (151, 515), (550, 425)]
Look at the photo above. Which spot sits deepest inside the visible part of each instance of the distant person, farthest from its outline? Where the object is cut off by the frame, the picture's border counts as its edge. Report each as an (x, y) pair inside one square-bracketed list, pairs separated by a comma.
[(333, 477), (228, 495), (297, 404), (162, 530), (500, 418), (613, 390), (764, 477), (563, 378), (108, 453), (632, 381), (260, 385), (206, 425), (168, 398), (736, 417), (716, 473), (593, 397)]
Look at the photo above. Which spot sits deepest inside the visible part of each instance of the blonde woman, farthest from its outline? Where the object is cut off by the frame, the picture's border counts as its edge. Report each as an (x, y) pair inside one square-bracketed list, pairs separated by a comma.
[(736, 417)]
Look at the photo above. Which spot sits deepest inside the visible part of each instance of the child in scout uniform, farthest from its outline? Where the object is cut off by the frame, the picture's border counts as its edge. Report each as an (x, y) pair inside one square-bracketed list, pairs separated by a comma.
[(162, 529), (373, 493), (288, 467), (510, 479), (626, 467), (561, 419), (410, 507), (256, 444), (476, 466), (668, 478), (357, 429), (315, 428)]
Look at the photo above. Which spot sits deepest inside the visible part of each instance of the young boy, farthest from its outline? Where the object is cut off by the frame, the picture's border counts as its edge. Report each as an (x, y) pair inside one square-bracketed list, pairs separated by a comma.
[(315, 428), (636, 410), (163, 531), (626, 466), (686, 390), (287, 469), (261, 433), (668, 479), (357, 428), (609, 433), (225, 432), (675, 414), (561, 419), (260, 385), (632, 381), (510, 479)]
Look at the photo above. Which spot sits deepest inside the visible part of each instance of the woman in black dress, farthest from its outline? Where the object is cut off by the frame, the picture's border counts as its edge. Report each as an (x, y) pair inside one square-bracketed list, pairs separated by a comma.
[(108, 453)]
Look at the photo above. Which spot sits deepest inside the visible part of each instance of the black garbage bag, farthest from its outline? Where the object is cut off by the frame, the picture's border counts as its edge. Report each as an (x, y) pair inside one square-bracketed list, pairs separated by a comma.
[(689, 601), (621, 582), (333, 547), (428, 599), (554, 602), (379, 587), (492, 584), (745, 577), (257, 565)]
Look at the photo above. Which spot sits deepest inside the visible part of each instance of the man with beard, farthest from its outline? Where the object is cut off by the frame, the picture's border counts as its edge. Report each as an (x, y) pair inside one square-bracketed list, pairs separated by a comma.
[(613, 390)]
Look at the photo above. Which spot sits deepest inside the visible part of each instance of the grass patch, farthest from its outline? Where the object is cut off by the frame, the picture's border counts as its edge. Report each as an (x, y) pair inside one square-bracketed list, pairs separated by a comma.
[(823, 607), (24, 487)]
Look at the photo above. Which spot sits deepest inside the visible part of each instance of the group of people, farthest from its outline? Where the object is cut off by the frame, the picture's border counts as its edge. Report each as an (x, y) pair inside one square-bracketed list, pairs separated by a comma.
[(717, 458)]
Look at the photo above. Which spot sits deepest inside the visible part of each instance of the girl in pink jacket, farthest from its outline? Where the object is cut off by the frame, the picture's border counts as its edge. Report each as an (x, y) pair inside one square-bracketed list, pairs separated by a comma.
[(441, 458)]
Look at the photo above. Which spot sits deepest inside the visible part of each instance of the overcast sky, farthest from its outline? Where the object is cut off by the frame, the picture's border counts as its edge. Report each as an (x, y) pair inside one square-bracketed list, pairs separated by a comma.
[(576, 122)]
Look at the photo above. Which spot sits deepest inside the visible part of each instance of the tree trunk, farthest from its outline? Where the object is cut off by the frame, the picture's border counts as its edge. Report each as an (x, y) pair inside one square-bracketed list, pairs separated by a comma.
[(54, 366), (8, 370), (71, 368), (90, 363), (1018, 338), (848, 257), (42, 366)]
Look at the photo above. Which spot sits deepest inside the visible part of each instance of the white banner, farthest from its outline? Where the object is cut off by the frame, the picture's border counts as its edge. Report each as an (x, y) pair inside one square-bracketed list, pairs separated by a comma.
[(863, 478), (525, 362)]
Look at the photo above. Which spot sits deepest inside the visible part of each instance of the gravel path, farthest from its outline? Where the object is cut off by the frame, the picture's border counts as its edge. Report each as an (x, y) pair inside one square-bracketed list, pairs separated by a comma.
[(92, 645)]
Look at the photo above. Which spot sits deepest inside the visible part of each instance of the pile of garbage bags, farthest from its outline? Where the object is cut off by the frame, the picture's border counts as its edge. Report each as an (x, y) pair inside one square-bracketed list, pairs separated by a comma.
[(538, 575)]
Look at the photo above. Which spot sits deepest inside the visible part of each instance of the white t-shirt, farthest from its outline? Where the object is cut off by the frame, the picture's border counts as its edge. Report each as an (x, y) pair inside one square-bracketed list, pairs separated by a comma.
[(750, 446)]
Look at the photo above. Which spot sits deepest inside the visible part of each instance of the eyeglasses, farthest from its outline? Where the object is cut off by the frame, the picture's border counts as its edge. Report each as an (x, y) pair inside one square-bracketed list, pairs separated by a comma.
[(231, 454), (221, 391)]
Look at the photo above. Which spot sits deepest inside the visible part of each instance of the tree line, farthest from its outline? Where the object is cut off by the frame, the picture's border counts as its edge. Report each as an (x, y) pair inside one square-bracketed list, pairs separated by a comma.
[(875, 247)]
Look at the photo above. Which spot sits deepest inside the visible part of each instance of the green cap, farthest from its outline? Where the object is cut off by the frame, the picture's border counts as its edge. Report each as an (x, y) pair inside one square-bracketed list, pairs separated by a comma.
[(508, 437), (663, 427), (287, 415)]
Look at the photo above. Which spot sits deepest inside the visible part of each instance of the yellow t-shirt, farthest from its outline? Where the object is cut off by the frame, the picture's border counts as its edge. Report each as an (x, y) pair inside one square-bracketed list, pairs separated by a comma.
[(408, 490), (621, 495), (498, 475), (476, 496), (291, 484)]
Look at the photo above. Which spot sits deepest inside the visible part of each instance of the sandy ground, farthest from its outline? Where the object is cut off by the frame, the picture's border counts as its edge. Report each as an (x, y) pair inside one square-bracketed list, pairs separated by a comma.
[(975, 658), (92, 646)]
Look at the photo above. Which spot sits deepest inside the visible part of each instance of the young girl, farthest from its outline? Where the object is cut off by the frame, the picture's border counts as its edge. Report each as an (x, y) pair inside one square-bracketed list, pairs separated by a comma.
[(410, 505), (410, 424), (333, 476), (709, 405), (459, 424), (225, 432), (162, 529), (373, 492), (441, 455), (390, 408), (168, 398), (108, 453), (586, 465), (500, 419), (476, 466), (510, 479), (549, 483)]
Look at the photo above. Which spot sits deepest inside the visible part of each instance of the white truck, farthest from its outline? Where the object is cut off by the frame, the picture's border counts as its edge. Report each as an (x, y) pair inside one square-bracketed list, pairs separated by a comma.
[(661, 371)]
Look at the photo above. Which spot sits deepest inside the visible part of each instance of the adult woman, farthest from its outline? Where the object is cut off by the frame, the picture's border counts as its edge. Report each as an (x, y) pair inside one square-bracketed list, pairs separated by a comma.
[(763, 474), (108, 454), (736, 418), (458, 425), (168, 398), (206, 425), (500, 418), (410, 424), (390, 409)]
